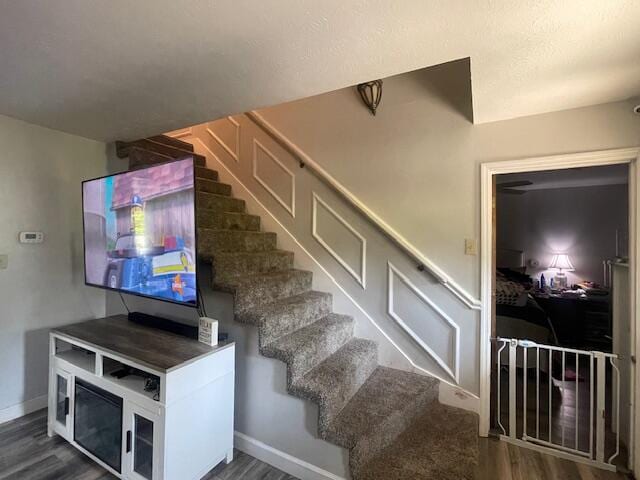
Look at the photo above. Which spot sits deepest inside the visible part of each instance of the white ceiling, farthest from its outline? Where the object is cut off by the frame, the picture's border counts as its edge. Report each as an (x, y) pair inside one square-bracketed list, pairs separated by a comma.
[(569, 178), (124, 69)]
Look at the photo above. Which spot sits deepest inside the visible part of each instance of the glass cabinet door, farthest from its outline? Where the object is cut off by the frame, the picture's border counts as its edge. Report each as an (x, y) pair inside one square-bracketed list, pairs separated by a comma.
[(141, 444), (62, 403)]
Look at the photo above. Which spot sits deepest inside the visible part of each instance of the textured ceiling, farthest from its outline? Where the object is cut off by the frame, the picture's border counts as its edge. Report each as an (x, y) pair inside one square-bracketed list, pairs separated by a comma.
[(123, 69)]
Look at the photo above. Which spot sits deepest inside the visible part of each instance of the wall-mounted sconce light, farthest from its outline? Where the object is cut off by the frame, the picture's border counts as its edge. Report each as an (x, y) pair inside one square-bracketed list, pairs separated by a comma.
[(371, 94)]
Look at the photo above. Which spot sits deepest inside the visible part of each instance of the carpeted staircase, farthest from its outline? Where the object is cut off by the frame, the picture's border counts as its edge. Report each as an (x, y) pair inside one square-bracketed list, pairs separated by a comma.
[(390, 420)]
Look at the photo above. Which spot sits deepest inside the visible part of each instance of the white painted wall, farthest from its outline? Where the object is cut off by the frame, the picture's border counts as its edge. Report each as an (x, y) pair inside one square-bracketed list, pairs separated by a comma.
[(581, 222), (40, 175)]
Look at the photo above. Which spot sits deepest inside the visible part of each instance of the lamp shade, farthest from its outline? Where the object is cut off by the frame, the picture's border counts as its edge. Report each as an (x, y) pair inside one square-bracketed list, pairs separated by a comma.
[(562, 261)]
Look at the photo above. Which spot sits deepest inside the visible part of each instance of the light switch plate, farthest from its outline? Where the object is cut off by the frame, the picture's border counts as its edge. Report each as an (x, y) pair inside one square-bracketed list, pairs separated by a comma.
[(470, 246), (4, 262)]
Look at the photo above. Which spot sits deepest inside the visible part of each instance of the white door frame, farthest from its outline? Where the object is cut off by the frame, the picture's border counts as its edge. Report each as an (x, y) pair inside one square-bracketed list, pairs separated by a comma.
[(630, 156)]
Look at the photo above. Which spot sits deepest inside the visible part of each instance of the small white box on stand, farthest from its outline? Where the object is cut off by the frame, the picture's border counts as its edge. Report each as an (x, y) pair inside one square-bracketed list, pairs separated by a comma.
[(208, 331)]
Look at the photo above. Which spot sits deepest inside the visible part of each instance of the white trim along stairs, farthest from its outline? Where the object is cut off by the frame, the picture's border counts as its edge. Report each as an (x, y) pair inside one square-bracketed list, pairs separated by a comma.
[(389, 420)]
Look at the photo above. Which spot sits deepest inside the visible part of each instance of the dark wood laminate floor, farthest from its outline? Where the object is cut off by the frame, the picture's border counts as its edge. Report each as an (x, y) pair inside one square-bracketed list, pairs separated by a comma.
[(26, 453)]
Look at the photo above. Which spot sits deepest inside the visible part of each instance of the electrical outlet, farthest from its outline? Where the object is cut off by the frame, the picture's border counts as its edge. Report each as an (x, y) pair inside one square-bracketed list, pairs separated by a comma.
[(4, 262), (470, 246)]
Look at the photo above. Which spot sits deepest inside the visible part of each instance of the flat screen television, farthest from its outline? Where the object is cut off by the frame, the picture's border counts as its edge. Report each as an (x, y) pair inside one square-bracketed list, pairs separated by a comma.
[(140, 232)]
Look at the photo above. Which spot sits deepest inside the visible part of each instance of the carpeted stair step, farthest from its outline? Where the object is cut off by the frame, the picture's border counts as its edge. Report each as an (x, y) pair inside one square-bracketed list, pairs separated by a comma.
[(174, 142), (311, 345), (207, 173), (227, 220), (123, 150), (440, 444), (211, 242), (336, 380), (279, 318), (219, 203), (384, 407), (264, 288), (139, 158), (211, 186), (233, 264)]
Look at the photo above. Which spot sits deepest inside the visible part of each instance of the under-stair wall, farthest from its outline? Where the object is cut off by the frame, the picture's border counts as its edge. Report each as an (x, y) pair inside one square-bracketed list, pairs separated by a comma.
[(419, 324)]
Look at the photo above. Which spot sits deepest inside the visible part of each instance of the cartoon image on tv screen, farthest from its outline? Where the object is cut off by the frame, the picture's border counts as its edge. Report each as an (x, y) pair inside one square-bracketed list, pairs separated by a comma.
[(140, 232)]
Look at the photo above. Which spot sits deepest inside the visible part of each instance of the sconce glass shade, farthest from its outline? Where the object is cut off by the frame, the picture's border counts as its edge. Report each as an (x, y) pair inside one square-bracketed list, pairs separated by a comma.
[(562, 262), (371, 94)]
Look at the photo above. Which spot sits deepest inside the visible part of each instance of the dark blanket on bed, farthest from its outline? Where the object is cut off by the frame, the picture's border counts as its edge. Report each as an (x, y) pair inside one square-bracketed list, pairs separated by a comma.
[(531, 312)]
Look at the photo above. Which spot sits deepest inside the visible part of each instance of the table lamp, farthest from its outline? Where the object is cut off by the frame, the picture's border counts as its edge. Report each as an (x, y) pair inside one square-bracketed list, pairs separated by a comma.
[(562, 263)]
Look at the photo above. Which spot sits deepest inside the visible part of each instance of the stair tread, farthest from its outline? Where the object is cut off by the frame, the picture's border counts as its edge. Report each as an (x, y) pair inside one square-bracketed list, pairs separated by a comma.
[(332, 383), (219, 203), (208, 218), (260, 314), (247, 279), (213, 186), (388, 392), (308, 346), (206, 173), (212, 241), (276, 251), (174, 142), (253, 292), (442, 443)]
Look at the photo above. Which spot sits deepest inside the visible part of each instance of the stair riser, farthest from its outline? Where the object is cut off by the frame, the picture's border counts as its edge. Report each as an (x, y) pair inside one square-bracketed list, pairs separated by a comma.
[(390, 429), (228, 266), (206, 173), (332, 337), (351, 379), (209, 186), (227, 221), (124, 149), (220, 203), (296, 317), (139, 158), (263, 292), (172, 142), (211, 242)]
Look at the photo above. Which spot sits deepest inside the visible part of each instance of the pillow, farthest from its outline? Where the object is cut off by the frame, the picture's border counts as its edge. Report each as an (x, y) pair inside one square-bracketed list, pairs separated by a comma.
[(510, 293)]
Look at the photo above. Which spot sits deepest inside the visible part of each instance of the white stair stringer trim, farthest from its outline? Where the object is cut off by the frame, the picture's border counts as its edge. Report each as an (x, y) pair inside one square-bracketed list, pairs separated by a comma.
[(417, 367), (281, 460), (465, 297)]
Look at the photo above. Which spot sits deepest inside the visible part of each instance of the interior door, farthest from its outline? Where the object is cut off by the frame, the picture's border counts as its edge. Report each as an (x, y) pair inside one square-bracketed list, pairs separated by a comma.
[(63, 400), (141, 443)]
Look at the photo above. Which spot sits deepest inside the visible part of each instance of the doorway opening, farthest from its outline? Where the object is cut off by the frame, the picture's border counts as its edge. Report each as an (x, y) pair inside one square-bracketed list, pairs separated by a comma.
[(559, 281)]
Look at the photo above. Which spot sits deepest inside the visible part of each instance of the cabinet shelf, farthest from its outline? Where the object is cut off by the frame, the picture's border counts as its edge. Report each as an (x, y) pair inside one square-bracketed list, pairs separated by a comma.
[(83, 359)]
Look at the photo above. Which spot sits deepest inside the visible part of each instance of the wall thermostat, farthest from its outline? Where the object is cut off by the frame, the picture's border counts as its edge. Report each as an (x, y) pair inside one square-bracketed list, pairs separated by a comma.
[(31, 237)]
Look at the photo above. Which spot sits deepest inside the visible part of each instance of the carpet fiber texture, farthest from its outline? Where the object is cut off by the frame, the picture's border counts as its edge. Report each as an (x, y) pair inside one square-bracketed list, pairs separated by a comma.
[(389, 420)]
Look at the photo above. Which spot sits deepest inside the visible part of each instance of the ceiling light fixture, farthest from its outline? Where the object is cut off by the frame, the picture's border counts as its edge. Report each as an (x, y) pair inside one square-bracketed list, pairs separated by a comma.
[(371, 94)]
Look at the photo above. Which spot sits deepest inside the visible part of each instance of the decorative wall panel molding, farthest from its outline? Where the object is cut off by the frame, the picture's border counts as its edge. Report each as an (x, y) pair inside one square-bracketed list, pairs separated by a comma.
[(360, 277), (452, 370), (233, 151), (290, 204)]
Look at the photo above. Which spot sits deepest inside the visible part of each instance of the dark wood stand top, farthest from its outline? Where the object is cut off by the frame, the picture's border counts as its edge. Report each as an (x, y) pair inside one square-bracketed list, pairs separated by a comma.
[(156, 349)]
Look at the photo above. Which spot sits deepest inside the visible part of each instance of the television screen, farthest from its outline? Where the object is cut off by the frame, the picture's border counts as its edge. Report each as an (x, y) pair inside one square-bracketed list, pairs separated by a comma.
[(140, 233)]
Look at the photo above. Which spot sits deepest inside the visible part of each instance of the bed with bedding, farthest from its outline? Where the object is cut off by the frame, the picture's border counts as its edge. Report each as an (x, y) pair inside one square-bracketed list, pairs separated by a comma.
[(518, 315)]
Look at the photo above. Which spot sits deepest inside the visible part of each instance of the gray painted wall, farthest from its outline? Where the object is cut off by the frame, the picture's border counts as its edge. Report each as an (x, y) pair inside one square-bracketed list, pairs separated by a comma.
[(581, 222), (40, 175), (416, 163)]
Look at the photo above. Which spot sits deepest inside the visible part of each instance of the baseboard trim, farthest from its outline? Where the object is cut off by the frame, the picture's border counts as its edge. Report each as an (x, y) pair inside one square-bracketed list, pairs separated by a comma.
[(21, 409), (281, 460)]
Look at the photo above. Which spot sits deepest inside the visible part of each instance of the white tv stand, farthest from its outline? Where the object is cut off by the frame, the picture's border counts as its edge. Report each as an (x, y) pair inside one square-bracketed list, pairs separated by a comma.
[(178, 432)]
